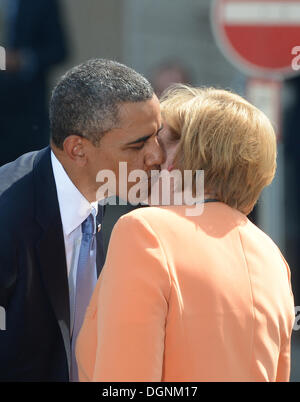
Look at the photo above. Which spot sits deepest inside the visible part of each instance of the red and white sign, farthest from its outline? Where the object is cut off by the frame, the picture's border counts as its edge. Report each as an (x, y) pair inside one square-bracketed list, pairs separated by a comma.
[(258, 36)]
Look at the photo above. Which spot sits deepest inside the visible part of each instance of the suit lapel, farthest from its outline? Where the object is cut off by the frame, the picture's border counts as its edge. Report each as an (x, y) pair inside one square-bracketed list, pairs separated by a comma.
[(50, 248)]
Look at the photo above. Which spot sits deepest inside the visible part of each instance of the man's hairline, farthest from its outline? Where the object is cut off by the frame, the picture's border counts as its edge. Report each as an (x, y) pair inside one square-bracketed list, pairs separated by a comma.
[(113, 127)]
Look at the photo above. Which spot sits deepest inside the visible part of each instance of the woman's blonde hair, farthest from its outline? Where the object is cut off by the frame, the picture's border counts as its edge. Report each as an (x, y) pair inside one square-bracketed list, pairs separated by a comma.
[(227, 137)]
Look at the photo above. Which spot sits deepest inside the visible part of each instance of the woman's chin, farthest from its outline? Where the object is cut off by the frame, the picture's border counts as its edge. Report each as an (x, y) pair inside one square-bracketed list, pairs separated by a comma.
[(167, 166)]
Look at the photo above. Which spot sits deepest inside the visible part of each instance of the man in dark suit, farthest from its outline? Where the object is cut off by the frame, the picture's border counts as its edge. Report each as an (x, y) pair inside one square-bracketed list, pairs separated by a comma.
[(34, 40), (101, 113)]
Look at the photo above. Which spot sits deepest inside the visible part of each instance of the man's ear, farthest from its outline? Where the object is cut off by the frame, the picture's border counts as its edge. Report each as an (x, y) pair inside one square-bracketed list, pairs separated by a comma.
[(75, 148)]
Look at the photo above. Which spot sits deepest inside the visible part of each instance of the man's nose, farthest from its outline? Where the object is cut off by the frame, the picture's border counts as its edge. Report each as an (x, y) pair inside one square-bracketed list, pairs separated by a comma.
[(156, 154)]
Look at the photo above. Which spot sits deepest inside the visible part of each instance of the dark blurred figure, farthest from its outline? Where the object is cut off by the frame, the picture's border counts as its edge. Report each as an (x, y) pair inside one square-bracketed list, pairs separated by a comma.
[(168, 73), (32, 34), (291, 136)]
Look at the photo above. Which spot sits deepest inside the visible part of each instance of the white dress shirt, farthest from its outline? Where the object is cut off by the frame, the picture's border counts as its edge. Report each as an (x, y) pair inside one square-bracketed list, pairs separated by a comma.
[(74, 209)]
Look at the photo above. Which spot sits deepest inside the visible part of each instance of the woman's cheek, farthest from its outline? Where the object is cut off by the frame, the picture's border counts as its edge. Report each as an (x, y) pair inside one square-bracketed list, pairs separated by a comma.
[(170, 155)]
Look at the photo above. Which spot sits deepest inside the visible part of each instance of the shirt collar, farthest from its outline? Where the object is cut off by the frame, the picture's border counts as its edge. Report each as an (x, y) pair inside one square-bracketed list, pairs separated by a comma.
[(74, 207)]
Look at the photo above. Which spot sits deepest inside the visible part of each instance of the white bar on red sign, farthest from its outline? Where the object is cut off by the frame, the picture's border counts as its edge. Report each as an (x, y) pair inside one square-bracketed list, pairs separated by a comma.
[(262, 12)]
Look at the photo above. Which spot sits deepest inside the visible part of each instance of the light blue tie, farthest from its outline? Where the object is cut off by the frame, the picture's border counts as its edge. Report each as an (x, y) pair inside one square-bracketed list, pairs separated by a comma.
[(86, 279)]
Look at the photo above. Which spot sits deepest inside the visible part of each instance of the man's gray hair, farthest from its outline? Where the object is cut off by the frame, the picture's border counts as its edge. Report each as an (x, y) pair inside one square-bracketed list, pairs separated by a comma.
[(86, 100)]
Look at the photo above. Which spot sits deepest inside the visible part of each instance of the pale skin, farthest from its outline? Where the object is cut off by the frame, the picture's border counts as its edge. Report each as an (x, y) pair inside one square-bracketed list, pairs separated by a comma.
[(134, 141), (170, 142)]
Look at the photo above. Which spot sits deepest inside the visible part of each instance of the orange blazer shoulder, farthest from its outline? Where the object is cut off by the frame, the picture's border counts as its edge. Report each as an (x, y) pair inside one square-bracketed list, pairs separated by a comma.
[(189, 298)]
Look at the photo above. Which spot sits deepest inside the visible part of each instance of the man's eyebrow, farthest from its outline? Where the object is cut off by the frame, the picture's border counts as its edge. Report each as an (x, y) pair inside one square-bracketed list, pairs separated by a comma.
[(145, 138)]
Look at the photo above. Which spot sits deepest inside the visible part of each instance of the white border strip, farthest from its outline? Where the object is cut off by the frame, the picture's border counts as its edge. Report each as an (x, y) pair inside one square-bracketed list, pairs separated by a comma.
[(262, 13)]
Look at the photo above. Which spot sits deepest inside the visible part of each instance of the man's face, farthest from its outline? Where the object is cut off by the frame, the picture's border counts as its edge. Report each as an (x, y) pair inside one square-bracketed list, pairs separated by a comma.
[(135, 141)]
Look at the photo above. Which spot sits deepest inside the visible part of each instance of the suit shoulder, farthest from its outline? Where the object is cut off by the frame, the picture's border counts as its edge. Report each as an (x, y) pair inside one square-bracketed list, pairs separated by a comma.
[(148, 211), (16, 189), (13, 174), (255, 232), (153, 216)]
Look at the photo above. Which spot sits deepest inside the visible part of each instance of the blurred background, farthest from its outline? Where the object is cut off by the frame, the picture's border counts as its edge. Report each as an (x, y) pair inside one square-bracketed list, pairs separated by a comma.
[(165, 40)]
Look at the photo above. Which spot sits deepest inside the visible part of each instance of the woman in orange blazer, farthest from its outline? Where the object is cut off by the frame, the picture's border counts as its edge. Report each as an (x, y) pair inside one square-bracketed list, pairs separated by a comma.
[(196, 298)]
